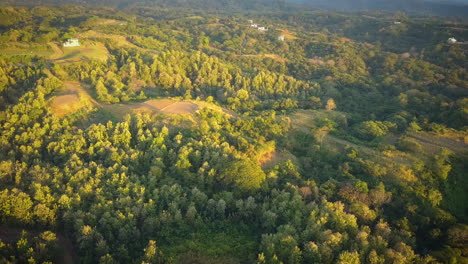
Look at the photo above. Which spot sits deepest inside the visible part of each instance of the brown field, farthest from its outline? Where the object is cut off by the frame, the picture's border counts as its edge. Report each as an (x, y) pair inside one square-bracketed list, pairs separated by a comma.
[(65, 104), (159, 104), (70, 99), (74, 97), (165, 106)]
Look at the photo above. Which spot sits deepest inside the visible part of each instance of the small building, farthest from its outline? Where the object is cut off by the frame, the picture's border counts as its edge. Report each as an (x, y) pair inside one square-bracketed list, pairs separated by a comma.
[(262, 28), (396, 22), (281, 37), (72, 43), (254, 25), (451, 41)]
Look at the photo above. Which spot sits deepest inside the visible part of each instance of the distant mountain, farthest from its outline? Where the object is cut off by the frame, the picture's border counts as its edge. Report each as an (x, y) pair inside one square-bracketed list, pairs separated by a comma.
[(437, 7), (194, 4), (432, 7)]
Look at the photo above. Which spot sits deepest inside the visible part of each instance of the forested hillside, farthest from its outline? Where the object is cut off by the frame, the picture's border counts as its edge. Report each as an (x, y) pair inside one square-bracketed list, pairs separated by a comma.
[(177, 135)]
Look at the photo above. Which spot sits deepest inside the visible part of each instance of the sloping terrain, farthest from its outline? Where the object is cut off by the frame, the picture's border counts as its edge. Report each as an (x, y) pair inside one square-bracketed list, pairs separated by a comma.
[(74, 97), (70, 99)]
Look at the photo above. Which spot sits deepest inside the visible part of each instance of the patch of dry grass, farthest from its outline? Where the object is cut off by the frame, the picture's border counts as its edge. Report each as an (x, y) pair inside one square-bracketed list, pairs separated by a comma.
[(271, 159), (70, 99), (119, 40), (21, 48), (88, 50), (268, 55), (305, 120)]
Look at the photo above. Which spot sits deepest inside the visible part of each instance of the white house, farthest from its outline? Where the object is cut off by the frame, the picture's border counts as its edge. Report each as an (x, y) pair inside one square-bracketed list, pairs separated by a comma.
[(72, 43), (281, 37), (451, 41), (262, 28), (397, 22), (254, 25)]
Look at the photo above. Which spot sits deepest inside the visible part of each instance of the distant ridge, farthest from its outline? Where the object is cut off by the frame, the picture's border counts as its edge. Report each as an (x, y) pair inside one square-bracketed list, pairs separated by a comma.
[(427, 7), (434, 7)]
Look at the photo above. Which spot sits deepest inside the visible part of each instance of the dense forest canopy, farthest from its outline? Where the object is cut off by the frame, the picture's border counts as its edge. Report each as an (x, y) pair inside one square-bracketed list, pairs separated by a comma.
[(177, 134)]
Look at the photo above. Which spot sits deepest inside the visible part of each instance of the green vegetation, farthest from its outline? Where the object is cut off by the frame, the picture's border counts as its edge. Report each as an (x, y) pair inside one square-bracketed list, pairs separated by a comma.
[(177, 135)]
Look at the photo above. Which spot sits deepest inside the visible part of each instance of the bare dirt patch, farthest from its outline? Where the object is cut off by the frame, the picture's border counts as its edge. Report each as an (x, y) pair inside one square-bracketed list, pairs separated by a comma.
[(180, 108), (165, 106), (159, 104), (119, 40), (65, 104), (72, 98)]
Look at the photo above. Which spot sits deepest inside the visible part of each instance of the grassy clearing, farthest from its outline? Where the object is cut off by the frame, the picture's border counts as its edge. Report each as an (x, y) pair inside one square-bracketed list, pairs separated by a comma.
[(65, 104), (308, 122), (288, 35), (19, 48), (57, 52), (73, 97), (433, 143), (164, 106), (305, 120), (70, 100), (40, 53), (190, 18), (88, 50), (118, 40), (271, 159), (275, 57)]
